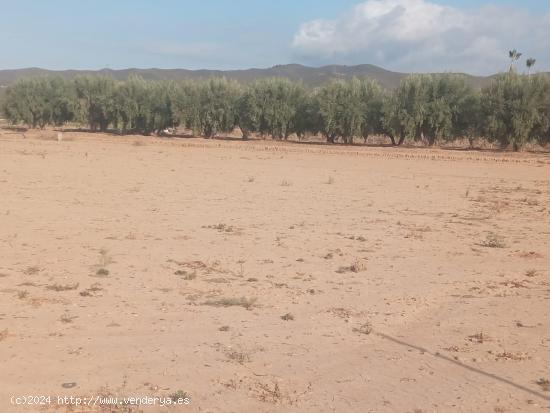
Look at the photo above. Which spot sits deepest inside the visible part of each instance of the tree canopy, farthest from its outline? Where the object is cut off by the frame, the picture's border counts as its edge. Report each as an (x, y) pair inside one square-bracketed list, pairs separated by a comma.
[(512, 110)]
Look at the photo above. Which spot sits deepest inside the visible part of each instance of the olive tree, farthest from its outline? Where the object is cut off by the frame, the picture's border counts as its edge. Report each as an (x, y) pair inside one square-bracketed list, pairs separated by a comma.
[(185, 102), (348, 109), (217, 106), (511, 110), (404, 110), (96, 104), (270, 107)]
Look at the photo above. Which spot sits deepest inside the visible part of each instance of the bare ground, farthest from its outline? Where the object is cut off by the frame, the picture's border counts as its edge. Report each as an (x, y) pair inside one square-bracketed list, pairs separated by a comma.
[(262, 277)]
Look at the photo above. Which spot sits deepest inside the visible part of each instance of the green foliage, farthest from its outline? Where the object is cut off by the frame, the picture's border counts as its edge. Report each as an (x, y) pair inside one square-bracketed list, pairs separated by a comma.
[(449, 108), (217, 107), (37, 102), (430, 107), (512, 111), (95, 103), (307, 118), (407, 112), (270, 107), (349, 109), (143, 107), (541, 94), (185, 105)]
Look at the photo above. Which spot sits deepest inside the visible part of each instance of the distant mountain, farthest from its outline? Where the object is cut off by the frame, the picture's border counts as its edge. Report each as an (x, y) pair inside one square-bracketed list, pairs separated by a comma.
[(310, 76)]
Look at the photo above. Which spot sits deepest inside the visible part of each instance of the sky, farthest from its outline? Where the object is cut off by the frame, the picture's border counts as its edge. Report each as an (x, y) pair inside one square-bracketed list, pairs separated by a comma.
[(472, 36)]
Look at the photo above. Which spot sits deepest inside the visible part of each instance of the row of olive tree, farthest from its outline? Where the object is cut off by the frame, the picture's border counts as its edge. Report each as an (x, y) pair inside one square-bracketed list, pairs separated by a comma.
[(512, 110)]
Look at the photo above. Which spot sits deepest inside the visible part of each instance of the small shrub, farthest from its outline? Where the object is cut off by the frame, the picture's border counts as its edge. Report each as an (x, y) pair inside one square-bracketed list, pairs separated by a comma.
[(493, 241), (178, 396), (356, 267)]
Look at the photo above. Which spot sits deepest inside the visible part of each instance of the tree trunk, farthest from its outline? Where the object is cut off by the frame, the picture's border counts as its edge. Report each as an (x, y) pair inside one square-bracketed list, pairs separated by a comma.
[(401, 140)]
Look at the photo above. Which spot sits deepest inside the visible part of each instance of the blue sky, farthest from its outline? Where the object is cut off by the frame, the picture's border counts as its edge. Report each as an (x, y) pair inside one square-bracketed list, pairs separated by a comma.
[(225, 34)]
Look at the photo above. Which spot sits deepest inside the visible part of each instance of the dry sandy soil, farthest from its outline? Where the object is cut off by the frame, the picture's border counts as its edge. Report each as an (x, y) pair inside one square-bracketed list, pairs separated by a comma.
[(262, 277)]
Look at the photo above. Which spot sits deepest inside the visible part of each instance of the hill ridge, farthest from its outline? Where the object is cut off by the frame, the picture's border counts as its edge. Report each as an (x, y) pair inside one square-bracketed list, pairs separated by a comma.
[(310, 76)]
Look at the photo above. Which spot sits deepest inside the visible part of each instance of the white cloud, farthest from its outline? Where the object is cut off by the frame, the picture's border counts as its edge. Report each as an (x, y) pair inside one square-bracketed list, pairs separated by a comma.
[(420, 35)]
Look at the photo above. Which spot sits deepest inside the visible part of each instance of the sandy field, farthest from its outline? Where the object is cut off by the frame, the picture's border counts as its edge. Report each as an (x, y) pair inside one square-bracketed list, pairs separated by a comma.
[(262, 277)]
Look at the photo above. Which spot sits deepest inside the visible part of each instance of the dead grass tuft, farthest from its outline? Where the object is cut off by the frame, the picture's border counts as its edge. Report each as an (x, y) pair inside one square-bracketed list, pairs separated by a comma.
[(365, 328), (238, 356), (221, 227), (67, 318), (92, 290), (31, 270), (356, 267), (518, 356), (269, 395), (62, 287), (186, 275), (22, 294), (479, 338), (232, 302)]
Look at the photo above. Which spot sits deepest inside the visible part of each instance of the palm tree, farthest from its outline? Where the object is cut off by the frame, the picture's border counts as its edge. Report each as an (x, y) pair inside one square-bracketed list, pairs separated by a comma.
[(514, 57), (530, 63)]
